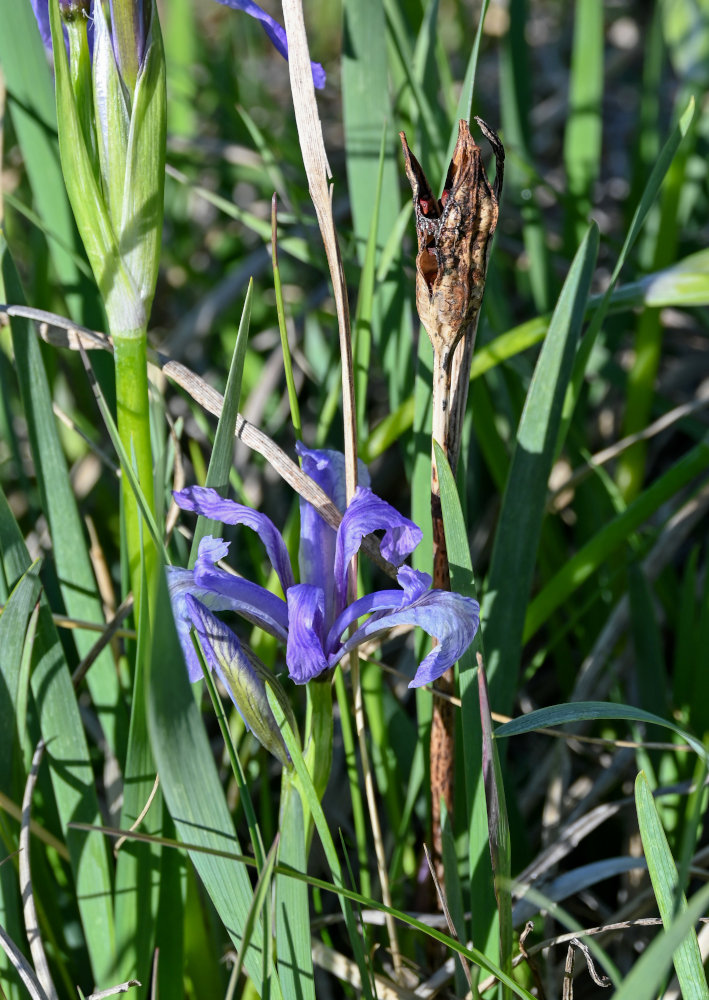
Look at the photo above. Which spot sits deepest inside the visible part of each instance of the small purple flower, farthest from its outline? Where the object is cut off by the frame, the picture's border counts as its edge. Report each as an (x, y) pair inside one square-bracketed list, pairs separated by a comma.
[(314, 618), (275, 32)]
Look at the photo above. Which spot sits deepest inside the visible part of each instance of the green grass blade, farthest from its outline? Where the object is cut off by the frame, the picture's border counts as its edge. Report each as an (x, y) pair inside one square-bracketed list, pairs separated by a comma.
[(662, 165), (323, 829), (138, 871), (295, 959), (646, 976), (462, 580), (584, 711), (516, 540), (362, 346), (670, 899), (191, 786), (465, 101), (77, 582), (582, 138), (614, 534), (514, 110), (222, 456), (15, 641), (499, 828), (69, 765)]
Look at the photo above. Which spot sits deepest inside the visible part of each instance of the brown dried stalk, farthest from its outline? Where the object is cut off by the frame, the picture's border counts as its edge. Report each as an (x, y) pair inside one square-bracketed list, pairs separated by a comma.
[(454, 239)]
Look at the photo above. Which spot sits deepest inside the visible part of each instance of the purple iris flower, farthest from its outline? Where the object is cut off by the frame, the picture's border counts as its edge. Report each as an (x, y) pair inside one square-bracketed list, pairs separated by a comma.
[(314, 618), (275, 32), (273, 29)]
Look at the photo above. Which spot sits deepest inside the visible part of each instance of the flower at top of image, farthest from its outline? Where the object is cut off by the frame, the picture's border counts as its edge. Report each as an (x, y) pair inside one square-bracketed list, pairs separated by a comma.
[(273, 29), (275, 32), (313, 619)]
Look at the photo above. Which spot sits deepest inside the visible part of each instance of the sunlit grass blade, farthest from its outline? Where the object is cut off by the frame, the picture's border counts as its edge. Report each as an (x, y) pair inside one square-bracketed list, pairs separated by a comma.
[(280, 309), (362, 346), (668, 893), (295, 960), (221, 458), (517, 537), (646, 976)]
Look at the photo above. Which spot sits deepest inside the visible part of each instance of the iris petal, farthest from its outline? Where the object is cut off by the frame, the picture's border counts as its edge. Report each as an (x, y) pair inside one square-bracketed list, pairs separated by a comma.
[(305, 654), (317, 539), (450, 618), (275, 32), (367, 513), (207, 502), (181, 584), (256, 604)]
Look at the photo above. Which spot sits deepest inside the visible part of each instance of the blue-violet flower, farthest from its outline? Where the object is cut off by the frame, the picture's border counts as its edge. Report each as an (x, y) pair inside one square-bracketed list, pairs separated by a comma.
[(314, 618), (273, 29)]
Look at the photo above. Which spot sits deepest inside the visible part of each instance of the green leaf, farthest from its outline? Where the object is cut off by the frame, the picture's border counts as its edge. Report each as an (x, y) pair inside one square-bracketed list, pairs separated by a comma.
[(646, 976), (191, 786), (670, 899), (69, 764), (222, 456), (462, 581), (515, 548), (583, 711), (612, 535), (77, 582)]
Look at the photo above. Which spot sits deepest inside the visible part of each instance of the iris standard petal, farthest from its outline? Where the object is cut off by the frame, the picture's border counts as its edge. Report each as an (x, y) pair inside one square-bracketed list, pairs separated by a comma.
[(256, 604), (450, 618), (367, 513), (317, 539), (305, 655), (242, 674), (275, 32), (207, 502)]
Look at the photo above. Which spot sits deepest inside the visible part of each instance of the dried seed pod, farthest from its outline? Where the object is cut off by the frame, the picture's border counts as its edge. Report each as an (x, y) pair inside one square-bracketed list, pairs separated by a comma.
[(454, 235)]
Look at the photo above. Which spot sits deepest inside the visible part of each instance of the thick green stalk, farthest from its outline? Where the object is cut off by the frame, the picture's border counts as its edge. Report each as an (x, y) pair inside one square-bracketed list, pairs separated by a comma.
[(134, 430)]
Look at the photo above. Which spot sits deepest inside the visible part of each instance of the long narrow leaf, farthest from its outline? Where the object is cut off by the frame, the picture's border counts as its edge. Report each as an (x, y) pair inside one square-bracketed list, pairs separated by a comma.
[(670, 899), (515, 549)]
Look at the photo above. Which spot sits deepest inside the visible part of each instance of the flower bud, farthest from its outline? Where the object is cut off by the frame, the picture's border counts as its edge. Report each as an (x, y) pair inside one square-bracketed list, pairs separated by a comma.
[(454, 237)]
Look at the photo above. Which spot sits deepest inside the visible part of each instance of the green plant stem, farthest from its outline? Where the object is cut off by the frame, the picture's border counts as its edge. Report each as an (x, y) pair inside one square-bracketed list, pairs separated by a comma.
[(134, 430)]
